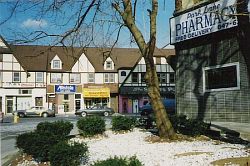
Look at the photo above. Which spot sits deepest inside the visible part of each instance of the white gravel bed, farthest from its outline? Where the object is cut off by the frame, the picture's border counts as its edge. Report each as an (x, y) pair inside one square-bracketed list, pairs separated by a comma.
[(161, 153)]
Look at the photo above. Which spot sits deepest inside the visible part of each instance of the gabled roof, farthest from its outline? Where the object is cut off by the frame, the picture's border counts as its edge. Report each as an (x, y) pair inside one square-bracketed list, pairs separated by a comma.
[(6, 49), (38, 58)]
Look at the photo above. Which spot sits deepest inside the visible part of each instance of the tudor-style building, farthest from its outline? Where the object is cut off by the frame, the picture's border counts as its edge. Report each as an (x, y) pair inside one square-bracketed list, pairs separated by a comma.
[(212, 44), (132, 86), (62, 78)]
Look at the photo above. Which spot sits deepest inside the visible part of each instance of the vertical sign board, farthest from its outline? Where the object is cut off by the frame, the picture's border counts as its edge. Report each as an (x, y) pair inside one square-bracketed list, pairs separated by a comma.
[(211, 18)]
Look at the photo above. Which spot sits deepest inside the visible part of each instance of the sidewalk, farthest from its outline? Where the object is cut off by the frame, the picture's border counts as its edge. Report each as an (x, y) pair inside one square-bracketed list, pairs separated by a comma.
[(242, 128)]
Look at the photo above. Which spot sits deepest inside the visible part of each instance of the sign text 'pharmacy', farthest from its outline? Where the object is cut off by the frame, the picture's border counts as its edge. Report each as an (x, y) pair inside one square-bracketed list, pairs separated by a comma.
[(205, 20)]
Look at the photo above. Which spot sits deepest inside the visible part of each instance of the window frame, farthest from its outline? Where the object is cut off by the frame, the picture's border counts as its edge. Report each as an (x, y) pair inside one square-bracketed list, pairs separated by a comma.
[(55, 66), (42, 80), (137, 77), (74, 76), (61, 80), (93, 78), (222, 66), (109, 65), (19, 76)]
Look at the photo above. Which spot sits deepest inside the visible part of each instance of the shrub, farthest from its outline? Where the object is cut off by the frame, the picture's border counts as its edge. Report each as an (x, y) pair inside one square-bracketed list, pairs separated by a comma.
[(122, 123), (91, 125), (67, 154), (192, 127), (132, 161), (36, 144), (58, 128)]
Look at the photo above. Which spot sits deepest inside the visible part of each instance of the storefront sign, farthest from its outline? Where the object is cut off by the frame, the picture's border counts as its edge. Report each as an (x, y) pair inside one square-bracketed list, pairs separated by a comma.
[(211, 18), (18, 85), (65, 88), (96, 92), (140, 90)]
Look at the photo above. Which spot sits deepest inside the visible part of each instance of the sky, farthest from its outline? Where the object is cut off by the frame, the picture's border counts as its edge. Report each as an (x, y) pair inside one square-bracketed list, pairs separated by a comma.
[(27, 19)]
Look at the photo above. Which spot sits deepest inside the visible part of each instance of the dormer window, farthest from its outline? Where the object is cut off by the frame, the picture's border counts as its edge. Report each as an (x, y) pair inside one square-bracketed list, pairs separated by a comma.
[(56, 64), (109, 64)]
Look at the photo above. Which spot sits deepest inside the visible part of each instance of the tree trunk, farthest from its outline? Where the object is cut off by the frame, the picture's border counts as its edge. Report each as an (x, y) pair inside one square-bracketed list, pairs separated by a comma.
[(163, 123), (147, 50)]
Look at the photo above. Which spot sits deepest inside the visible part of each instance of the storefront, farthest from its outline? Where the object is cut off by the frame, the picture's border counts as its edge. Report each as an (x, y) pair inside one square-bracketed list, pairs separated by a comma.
[(131, 98), (64, 98), (96, 95)]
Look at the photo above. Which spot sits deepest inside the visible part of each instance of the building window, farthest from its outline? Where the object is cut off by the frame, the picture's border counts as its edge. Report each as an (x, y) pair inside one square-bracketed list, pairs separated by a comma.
[(16, 76), (123, 73), (38, 101), (162, 78), (56, 64), (106, 78), (66, 96), (1, 57), (171, 78), (77, 96), (221, 77), (39, 77), (75, 78), (109, 78), (56, 78), (91, 77), (108, 65), (134, 77), (143, 77)]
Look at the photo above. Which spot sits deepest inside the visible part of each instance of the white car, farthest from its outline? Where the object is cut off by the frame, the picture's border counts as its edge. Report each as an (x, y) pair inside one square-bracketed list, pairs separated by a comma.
[(35, 111)]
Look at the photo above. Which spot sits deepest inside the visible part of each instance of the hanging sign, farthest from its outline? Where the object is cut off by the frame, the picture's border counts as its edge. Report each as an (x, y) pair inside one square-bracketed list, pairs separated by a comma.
[(211, 18)]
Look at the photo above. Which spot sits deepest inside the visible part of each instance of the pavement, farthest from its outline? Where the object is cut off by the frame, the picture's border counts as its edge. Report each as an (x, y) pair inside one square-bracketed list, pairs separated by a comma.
[(8, 125)]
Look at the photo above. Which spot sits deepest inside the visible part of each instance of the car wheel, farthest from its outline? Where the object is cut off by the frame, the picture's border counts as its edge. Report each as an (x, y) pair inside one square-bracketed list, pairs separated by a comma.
[(83, 114), (21, 115), (106, 114), (45, 115)]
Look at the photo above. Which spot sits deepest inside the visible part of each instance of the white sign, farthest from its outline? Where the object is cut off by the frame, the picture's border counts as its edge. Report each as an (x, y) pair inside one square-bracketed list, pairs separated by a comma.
[(211, 18), (17, 85)]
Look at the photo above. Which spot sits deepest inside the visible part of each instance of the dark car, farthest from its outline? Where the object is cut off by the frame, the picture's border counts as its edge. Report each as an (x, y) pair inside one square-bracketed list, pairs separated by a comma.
[(35, 111), (168, 103), (95, 110)]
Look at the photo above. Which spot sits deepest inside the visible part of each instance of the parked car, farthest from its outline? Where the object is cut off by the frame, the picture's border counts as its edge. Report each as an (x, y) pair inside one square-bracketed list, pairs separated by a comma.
[(168, 103), (35, 111), (95, 110)]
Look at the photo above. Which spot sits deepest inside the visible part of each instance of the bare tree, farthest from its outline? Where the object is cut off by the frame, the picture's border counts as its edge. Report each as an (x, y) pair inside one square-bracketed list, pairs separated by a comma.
[(121, 13)]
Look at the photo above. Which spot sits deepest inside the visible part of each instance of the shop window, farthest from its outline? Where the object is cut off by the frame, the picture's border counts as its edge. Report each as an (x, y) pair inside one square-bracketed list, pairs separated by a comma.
[(56, 78), (1, 105), (39, 101), (75, 78), (91, 77), (39, 77), (134, 77), (16, 76), (221, 77), (171, 78), (123, 73)]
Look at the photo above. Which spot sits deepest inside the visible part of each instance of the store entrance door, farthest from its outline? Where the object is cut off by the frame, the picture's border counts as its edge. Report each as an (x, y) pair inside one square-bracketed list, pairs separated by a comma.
[(135, 106), (9, 104)]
